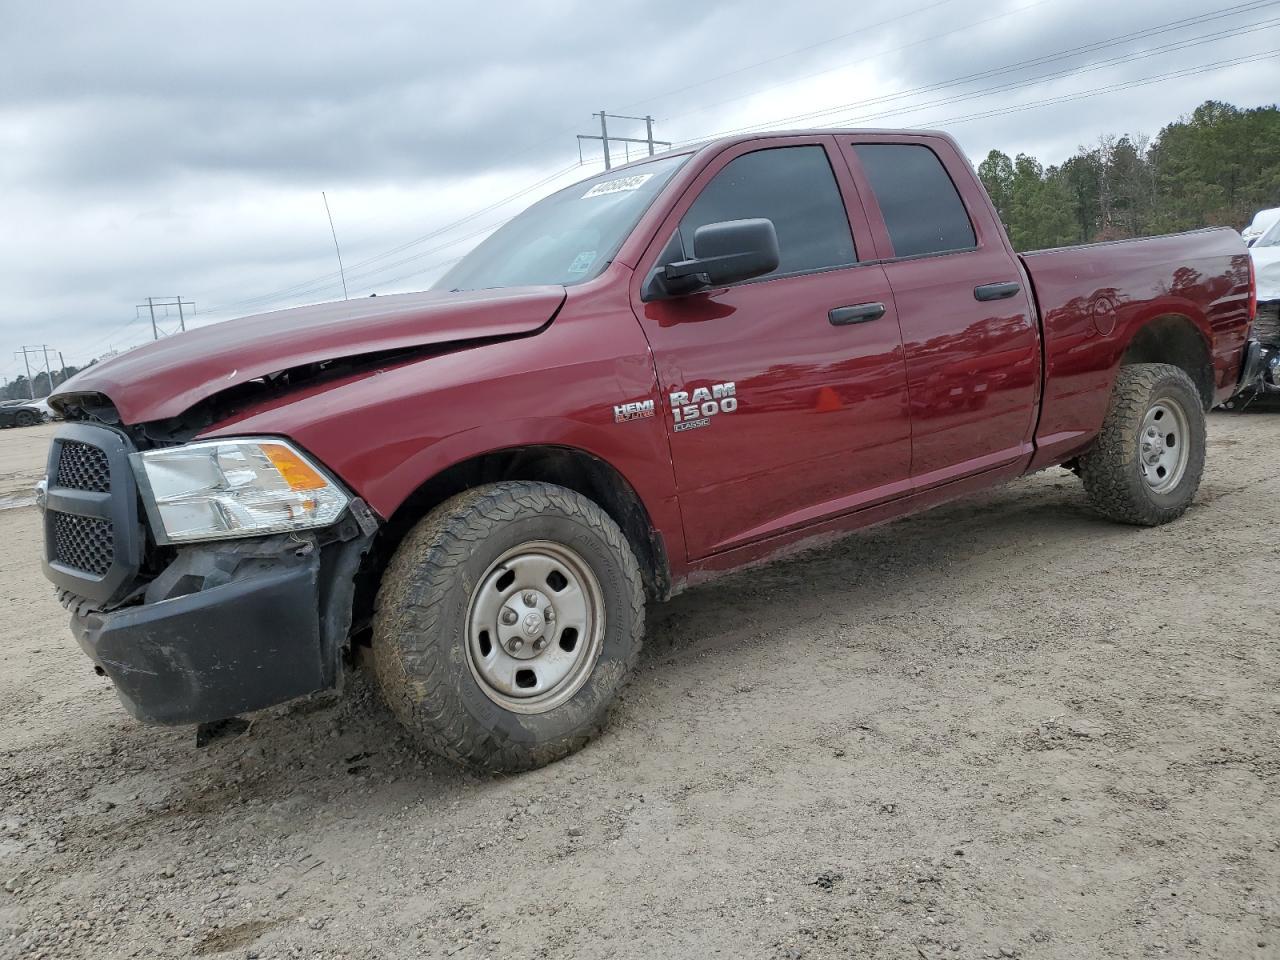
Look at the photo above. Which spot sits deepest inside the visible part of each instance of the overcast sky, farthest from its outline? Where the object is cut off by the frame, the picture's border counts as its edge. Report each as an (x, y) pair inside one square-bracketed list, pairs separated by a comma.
[(178, 148)]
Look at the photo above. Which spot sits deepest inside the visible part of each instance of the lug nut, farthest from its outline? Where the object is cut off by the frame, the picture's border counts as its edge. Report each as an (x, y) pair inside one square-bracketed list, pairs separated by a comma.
[(508, 617), (550, 615), (528, 598), (515, 645), (539, 643)]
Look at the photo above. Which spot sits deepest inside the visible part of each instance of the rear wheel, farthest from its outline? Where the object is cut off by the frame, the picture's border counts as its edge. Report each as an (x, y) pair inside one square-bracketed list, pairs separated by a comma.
[(1146, 464), (507, 622)]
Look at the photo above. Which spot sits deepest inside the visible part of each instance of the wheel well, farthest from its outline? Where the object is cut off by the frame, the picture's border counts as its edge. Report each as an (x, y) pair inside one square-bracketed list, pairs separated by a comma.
[(1177, 341), (565, 466)]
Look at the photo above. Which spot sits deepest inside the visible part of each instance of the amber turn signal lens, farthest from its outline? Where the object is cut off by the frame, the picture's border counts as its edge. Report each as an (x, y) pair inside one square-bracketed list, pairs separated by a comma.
[(296, 472)]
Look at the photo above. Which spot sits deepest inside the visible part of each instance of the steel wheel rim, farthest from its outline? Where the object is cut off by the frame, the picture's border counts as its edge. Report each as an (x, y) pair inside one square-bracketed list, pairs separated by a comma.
[(535, 627), (1164, 445)]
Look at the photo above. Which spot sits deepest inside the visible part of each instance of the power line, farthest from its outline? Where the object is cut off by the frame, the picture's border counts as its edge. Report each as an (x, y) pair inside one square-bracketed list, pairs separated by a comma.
[(858, 61), (1074, 71), (1007, 68), (1112, 88), (861, 31)]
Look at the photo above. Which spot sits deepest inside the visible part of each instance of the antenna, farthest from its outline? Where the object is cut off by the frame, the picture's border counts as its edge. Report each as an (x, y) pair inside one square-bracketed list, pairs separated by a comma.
[(341, 272)]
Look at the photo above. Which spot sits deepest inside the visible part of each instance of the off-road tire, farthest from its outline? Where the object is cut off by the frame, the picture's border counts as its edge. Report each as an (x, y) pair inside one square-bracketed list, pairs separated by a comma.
[(1112, 471), (419, 628)]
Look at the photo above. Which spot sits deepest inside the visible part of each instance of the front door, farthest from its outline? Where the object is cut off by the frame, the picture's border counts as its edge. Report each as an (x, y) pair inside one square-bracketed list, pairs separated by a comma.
[(785, 395)]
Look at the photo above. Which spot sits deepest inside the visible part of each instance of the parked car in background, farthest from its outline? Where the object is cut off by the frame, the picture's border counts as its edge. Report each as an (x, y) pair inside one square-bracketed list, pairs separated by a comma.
[(42, 405), (1263, 221), (23, 413)]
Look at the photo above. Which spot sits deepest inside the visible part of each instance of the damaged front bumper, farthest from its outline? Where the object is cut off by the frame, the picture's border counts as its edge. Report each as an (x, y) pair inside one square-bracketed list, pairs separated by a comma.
[(222, 631), (229, 628)]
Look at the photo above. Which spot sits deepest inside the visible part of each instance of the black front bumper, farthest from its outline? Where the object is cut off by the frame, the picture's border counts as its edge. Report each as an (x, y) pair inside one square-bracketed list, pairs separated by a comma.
[(243, 644)]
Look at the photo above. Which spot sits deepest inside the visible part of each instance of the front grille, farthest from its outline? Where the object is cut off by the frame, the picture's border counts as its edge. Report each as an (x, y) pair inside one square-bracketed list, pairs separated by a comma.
[(83, 543), (83, 467), (93, 537), (1266, 326)]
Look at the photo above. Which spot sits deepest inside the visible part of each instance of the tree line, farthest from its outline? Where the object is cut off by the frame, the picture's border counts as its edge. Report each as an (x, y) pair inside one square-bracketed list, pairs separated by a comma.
[(1216, 167), (20, 389)]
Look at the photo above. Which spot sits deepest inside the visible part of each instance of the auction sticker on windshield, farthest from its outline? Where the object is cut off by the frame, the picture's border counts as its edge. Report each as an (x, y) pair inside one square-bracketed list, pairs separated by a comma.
[(620, 185)]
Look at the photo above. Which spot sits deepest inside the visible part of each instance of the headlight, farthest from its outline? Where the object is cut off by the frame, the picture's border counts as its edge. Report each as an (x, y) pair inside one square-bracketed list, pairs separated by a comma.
[(217, 489)]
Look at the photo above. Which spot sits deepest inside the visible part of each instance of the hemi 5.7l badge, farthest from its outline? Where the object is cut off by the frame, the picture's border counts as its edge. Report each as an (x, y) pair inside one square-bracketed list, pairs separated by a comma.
[(637, 410), (692, 409)]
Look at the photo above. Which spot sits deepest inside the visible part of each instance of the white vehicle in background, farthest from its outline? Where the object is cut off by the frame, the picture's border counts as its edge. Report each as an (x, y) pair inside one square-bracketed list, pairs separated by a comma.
[(1265, 251), (1263, 221), (43, 406)]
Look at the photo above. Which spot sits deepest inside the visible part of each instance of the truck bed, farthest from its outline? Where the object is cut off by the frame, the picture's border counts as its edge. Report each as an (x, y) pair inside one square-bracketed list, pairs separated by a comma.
[(1094, 297)]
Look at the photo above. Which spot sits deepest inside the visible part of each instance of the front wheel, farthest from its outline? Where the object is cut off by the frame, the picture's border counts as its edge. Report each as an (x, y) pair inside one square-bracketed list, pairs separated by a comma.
[(1146, 464), (25, 418), (507, 622)]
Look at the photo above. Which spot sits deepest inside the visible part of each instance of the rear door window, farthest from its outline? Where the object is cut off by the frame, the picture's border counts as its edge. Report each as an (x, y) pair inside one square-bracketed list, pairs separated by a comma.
[(922, 209), (792, 186)]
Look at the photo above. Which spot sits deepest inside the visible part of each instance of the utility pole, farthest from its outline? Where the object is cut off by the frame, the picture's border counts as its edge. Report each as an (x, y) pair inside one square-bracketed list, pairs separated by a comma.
[(31, 386), (605, 139), (62, 363), (166, 302), (44, 347)]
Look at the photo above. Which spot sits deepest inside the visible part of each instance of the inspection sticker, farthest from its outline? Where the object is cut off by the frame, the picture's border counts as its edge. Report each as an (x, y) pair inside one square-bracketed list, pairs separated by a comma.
[(582, 262), (621, 185)]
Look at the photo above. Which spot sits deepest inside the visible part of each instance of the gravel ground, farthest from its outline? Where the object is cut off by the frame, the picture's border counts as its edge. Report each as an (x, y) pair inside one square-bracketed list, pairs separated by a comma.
[(1004, 728)]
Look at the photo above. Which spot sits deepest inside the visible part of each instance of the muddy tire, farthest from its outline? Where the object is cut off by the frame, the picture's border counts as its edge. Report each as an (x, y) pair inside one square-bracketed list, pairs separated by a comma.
[(1146, 464), (507, 623)]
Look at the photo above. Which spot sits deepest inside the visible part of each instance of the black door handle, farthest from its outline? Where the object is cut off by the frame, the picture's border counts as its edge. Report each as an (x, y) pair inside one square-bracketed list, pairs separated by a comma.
[(996, 291), (860, 313)]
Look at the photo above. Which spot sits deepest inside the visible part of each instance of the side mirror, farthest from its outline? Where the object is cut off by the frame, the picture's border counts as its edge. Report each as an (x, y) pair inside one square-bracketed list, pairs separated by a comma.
[(723, 253)]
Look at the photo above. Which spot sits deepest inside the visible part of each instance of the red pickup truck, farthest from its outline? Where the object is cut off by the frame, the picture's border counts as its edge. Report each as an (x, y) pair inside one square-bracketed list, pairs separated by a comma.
[(660, 374)]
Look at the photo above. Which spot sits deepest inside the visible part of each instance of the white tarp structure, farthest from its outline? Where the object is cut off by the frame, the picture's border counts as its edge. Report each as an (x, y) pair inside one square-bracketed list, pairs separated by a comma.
[(1266, 263)]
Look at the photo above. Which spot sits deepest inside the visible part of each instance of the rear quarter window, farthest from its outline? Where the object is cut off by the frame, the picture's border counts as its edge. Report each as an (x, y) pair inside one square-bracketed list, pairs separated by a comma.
[(922, 209)]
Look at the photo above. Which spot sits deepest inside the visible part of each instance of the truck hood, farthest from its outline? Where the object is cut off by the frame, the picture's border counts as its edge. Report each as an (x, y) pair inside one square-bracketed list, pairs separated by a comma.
[(165, 378), (1266, 265)]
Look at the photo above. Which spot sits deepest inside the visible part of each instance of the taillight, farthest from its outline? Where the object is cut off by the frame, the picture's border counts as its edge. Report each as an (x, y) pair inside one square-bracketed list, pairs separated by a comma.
[(1253, 292)]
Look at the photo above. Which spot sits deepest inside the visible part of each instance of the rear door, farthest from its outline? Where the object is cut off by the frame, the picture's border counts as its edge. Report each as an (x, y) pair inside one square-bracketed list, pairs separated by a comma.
[(968, 321), (785, 395)]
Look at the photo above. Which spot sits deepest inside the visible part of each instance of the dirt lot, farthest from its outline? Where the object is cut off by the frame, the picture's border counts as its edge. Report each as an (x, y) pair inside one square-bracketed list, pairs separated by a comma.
[(1003, 728)]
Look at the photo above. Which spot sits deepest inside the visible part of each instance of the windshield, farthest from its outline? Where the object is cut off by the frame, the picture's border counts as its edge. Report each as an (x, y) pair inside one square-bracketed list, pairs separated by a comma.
[(1271, 238), (567, 237)]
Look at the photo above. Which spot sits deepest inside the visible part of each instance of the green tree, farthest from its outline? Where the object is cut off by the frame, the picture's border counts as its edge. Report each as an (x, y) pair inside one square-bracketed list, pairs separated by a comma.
[(1039, 207), (1216, 167), (996, 173)]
